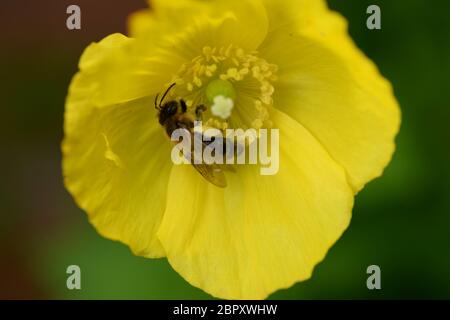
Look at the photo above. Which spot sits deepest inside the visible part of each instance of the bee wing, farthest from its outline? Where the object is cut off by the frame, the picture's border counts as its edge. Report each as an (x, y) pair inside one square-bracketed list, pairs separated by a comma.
[(227, 147), (213, 173)]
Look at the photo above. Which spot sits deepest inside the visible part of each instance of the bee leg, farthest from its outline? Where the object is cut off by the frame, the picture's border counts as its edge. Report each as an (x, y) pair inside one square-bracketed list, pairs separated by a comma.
[(199, 110), (185, 125), (183, 106)]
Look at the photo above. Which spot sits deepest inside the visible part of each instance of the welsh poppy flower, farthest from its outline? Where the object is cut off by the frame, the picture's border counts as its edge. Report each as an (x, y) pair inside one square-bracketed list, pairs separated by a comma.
[(282, 64)]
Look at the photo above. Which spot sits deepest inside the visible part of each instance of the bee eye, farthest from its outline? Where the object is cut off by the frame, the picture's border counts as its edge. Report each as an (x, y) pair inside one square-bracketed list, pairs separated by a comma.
[(172, 108)]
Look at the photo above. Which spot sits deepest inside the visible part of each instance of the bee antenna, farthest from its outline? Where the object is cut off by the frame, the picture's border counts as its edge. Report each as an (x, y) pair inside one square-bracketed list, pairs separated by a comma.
[(165, 93), (156, 102)]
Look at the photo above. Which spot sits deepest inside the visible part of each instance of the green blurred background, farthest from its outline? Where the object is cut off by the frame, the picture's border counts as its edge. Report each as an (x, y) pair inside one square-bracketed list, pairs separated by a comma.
[(401, 222)]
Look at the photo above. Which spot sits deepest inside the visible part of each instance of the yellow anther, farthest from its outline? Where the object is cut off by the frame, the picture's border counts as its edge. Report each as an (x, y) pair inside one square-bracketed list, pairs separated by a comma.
[(240, 53), (257, 123), (197, 81), (207, 51), (244, 71)]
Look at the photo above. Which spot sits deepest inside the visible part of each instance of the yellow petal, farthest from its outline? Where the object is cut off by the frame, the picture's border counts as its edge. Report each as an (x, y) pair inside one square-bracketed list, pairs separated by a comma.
[(164, 17), (119, 70), (298, 14), (261, 233), (329, 86), (116, 162), (197, 24)]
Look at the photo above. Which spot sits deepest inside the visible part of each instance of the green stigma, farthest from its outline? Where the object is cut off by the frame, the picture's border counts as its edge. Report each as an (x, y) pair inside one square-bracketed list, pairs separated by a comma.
[(220, 87)]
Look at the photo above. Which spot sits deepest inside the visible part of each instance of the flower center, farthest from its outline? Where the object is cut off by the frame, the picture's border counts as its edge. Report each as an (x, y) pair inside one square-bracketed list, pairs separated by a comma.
[(234, 85)]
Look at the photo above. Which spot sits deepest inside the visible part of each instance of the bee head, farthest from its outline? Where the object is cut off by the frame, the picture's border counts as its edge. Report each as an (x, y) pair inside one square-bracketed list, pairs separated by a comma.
[(167, 110)]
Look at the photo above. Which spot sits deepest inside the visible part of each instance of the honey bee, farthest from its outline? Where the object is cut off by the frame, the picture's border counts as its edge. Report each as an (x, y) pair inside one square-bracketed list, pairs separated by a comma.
[(174, 115)]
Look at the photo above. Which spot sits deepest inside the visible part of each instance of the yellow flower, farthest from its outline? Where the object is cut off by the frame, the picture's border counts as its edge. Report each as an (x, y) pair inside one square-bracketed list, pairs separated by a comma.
[(285, 64)]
